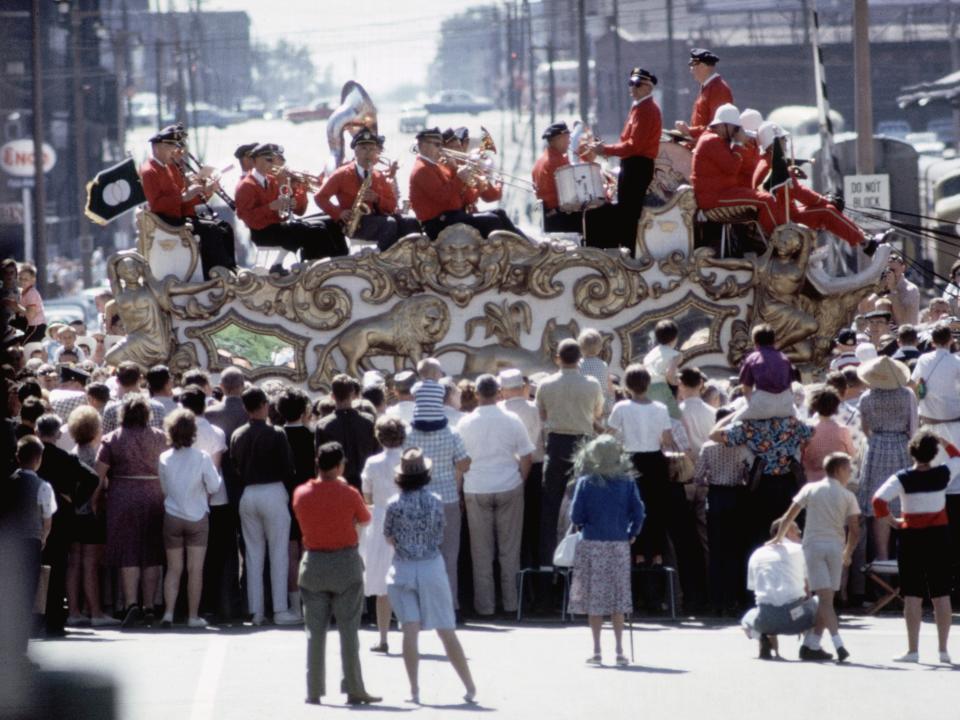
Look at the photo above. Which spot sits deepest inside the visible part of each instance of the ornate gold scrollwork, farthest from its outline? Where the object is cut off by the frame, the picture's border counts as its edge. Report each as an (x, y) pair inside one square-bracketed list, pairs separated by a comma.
[(717, 314), (217, 359), (147, 225), (695, 269), (409, 330)]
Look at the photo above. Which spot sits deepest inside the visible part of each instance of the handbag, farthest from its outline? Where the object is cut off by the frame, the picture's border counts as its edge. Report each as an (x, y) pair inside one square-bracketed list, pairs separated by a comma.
[(922, 384), (681, 467), (566, 548)]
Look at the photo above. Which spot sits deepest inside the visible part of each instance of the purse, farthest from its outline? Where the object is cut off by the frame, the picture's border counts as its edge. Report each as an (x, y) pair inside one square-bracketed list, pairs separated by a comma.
[(566, 549), (681, 467), (922, 384)]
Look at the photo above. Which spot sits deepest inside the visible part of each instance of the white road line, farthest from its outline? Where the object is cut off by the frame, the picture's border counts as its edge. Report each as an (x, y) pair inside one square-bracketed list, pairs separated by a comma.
[(204, 699)]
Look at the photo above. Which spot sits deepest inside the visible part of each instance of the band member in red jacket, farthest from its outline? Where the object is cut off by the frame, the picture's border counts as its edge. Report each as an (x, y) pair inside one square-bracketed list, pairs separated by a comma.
[(716, 166), (382, 224), (174, 201), (544, 172), (268, 212), (714, 92), (750, 121), (437, 193), (808, 207), (637, 150), (458, 139)]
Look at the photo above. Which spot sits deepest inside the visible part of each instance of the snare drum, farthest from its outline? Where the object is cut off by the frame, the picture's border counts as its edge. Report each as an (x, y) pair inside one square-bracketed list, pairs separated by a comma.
[(580, 187)]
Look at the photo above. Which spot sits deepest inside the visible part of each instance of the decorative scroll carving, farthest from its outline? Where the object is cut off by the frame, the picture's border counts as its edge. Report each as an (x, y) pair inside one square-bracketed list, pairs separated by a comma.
[(151, 230), (667, 229), (695, 269), (218, 360), (409, 330)]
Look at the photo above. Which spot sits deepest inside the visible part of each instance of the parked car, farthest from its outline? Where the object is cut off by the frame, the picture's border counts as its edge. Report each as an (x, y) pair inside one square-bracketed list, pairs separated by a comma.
[(926, 143), (457, 101), (412, 119), (252, 107), (64, 310), (945, 128), (894, 128), (317, 110)]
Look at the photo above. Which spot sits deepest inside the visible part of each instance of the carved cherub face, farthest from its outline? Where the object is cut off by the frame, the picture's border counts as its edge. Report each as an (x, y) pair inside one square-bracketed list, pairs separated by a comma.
[(787, 243), (128, 270), (459, 255)]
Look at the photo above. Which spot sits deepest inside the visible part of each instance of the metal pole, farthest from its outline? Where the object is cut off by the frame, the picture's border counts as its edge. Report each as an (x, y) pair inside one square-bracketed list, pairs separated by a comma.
[(158, 49), (670, 91), (863, 97), (616, 57), (584, 61), (533, 82), (552, 80), (39, 183), (80, 145)]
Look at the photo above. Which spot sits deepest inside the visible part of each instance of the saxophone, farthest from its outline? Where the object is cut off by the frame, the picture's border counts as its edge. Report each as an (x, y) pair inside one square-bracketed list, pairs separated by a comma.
[(359, 207)]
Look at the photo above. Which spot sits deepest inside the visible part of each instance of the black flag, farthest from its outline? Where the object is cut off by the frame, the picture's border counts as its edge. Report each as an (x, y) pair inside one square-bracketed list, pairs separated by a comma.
[(779, 172), (113, 192)]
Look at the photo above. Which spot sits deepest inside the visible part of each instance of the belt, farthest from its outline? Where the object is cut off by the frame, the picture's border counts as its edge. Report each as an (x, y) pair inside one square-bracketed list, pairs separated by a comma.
[(336, 550), (137, 477), (934, 421)]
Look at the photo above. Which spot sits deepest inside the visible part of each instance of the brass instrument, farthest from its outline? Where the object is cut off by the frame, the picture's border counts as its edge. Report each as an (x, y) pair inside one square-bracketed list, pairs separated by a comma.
[(356, 110), (311, 182), (286, 191), (204, 175), (359, 207)]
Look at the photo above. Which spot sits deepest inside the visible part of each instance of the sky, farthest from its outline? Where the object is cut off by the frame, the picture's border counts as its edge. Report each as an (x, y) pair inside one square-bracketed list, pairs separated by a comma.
[(380, 43)]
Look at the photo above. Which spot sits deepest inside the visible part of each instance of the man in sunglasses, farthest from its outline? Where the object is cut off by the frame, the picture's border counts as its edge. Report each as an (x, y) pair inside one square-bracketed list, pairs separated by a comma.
[(269, 213)]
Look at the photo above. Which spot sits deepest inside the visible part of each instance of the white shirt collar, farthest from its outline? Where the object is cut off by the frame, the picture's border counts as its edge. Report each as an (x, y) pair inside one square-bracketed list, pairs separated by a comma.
[(645, 97), (360, 170), (261, 179), (426, 159), (709, 79)]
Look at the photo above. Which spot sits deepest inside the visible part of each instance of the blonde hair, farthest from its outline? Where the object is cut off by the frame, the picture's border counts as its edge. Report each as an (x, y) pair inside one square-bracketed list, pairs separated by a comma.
[(83, 424), (591, 342)]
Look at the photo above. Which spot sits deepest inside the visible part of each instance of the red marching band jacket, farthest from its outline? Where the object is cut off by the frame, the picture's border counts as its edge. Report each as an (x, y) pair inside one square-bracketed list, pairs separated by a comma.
[(641, 133), (715, 168), (434, 190), (544, 177), (712, 95), (344, 185), (163, 186), (253, 199)]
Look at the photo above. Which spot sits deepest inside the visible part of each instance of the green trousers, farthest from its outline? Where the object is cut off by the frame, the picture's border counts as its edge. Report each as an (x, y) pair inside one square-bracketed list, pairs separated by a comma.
[(331, 584)]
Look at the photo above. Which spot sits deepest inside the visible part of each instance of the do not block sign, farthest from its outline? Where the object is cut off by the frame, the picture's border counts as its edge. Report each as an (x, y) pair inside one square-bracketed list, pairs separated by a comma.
[(869, 194)]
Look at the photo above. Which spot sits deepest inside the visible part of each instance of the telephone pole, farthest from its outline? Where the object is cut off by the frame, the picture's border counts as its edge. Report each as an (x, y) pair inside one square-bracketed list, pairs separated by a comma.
[(533, 82), (39, 183), (80, 144), (616, 55), (670, 91), (862, 92), (584, 56)]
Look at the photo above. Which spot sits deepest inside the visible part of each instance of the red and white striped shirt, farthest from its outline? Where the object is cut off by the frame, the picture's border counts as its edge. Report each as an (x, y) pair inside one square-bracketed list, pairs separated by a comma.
[(922, 493)]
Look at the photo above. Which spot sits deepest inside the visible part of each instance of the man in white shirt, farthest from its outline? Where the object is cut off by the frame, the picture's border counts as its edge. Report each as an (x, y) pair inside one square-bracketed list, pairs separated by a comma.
[(501, 454), (939, 373), (403, 383), (128, 381), (777, 576), (515, 394)]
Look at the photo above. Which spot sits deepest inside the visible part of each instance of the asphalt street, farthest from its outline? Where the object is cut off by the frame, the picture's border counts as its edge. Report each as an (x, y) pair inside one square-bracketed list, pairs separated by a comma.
[(685, 670)]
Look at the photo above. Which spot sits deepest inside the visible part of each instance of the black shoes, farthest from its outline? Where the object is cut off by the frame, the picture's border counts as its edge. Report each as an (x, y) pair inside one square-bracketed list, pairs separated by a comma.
[(842, 654), (312, 701), (133, 617), (766, 648), (365, 699), (871, 247), (381, 648), (812, 655)]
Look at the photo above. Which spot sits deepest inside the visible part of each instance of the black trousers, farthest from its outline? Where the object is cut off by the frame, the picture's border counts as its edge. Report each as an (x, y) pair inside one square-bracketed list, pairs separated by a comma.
[(953, 513), (19, 574), (557, 472), (221, 566), (635, 176), (386, 230), (55, 555), (604, 228), (485, 222), (530, 538), (726, 513), (770, 500), (558, 221), (217, 247), (314, 238)]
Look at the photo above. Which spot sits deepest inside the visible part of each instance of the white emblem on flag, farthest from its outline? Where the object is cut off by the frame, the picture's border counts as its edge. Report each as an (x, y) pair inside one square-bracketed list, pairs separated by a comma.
[(116, 192)]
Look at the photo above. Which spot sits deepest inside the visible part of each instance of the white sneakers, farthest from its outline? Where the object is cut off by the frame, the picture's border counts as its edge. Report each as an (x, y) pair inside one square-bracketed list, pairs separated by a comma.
[(287, 617), (912, 657), (104, 621), (197, 622), (945, 658)]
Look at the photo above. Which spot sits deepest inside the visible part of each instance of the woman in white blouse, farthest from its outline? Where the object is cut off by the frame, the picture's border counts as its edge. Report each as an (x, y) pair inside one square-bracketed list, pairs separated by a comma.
[(188, 478)]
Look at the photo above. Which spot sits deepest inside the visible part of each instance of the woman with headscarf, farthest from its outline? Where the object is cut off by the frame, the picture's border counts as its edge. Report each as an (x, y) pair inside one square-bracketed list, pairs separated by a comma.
[(608, 510)]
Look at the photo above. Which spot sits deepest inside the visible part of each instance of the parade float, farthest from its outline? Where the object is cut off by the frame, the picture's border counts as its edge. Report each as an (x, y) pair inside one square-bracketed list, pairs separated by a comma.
[(478, 304)]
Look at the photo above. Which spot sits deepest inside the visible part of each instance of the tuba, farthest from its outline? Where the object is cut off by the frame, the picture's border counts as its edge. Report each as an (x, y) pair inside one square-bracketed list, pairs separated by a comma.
[(356, 110)]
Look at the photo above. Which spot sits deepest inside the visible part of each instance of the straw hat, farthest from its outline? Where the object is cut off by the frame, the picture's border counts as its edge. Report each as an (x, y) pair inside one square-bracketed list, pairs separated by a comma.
[(602, 456), (884, 373), (413, 462)]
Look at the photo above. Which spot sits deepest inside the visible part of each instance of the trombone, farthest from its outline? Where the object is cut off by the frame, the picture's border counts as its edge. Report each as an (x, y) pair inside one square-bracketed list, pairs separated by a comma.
[(311, 182)]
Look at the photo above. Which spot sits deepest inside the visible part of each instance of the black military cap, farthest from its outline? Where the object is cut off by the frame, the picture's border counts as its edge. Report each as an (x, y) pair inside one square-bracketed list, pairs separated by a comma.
[(381, 141), (364, 137), (267, 149), (847, 337), (70, 373), (639, 75), (172, 134), (244, 150), (558, 128), (430, 134), (447, 135), (699, 55)]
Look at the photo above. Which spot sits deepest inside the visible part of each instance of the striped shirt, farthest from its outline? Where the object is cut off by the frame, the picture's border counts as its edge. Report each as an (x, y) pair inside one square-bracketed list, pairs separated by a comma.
[(922, 493), (429, 401)]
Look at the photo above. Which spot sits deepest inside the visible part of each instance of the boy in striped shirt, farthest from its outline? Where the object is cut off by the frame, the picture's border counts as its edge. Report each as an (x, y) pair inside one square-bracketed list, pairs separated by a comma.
[(428, 394), (923, 559)]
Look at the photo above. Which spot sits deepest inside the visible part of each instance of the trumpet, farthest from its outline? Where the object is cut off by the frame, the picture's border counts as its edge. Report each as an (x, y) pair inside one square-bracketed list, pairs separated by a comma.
[(195, 172), (311, 182)]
